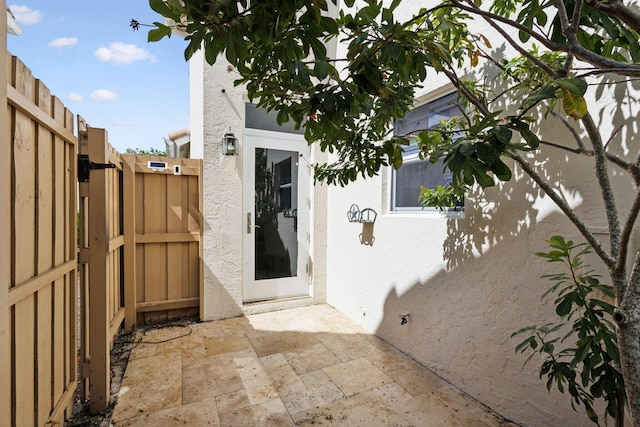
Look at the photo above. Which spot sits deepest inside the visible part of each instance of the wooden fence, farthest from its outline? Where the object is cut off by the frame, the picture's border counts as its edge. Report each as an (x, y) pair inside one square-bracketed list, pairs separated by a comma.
[(162, 238), (40, 246), (101, 255), (139, 258)]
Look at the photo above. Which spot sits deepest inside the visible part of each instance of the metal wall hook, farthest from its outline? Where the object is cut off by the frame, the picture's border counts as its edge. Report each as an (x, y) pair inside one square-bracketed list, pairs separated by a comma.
[(366, 215), (353, 214)]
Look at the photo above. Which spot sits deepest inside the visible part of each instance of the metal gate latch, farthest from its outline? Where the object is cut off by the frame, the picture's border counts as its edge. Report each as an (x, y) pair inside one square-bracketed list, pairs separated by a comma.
[(85, 165)]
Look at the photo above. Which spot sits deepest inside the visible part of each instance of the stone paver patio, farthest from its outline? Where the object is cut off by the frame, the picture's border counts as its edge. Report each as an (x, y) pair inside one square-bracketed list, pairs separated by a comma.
[(298, 367)]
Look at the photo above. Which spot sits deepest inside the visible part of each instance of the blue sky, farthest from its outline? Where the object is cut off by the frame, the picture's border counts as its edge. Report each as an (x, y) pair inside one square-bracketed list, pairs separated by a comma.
[(86, 53)]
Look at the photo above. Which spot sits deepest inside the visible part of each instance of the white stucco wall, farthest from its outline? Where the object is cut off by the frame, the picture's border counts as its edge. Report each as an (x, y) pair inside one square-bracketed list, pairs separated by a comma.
[(216, 107), (467, 283)]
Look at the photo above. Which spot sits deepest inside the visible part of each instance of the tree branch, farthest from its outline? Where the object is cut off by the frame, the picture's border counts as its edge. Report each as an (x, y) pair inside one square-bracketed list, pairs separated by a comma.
[(603, 179), (574, 47), (619, 10), (570, 128), (522, 50)]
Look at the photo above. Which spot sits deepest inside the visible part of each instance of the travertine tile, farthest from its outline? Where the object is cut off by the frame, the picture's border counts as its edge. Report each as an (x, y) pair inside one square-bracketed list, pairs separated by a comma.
[(160, 366), (282, 375), (192, 356), (307, 399), (255, 380), (446, 407), (413, 377), (226, 344), (200, 414), (236, 325), (210, 378), (142, 350), (363, 409), (131, 422), (183, 344), (316, 368), (310, 359), (147, 397), (347, 346), (271, 413), (276, 342), (356, 376), (232, 401), (164, 333), (314, 379), (392, 393), (208, 329)]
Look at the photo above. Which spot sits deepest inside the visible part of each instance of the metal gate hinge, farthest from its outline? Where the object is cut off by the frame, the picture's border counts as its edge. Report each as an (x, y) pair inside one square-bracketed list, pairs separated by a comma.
[(85, 165)]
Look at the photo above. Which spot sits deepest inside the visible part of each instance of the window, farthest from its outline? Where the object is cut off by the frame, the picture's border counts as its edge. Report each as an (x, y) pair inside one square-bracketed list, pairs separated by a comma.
[(415, 172)]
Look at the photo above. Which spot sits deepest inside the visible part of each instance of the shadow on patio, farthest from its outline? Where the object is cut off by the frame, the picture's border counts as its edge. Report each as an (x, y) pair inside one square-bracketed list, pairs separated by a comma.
[(304, 366)]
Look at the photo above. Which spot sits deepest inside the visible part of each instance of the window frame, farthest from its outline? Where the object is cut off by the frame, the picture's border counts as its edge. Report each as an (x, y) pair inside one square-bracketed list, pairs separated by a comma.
[(411, 155)]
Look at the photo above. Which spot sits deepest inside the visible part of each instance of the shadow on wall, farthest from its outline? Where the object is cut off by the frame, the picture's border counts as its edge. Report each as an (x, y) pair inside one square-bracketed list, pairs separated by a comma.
[(461, 319)]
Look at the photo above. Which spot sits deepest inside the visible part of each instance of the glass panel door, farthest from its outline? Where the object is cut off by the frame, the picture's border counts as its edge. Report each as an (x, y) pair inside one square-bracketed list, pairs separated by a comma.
[(276, 207), (276, 189)]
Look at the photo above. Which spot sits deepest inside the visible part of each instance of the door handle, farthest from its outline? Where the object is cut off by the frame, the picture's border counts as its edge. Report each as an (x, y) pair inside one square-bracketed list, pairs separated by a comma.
[(249, 225)]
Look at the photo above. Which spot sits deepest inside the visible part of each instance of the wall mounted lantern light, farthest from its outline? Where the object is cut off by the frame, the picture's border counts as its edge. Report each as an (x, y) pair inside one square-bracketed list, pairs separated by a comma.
[(229, 144)]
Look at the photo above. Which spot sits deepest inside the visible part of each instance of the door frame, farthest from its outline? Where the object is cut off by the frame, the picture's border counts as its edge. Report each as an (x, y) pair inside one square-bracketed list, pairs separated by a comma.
[(271, 289)]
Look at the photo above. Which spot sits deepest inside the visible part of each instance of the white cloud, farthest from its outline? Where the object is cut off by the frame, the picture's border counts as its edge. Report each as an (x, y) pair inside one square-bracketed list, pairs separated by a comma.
[(103, 95), (25, 15), (64, 42), (75, 97), (122, 53)]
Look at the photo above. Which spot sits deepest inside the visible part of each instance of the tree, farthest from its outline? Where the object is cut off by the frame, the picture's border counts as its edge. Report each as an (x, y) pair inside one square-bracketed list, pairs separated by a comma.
[(150, 152), (347, 105)]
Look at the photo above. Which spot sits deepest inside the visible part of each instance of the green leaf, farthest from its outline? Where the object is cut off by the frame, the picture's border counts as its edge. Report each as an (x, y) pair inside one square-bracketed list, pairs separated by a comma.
[(501, 170), (564, 307), (502, 134), (163, 9), (547, 91), (159, 33), (573, 85), (321, 69)]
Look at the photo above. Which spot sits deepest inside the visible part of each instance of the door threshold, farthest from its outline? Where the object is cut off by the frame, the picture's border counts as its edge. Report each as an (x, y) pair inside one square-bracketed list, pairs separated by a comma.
[(276, 300)]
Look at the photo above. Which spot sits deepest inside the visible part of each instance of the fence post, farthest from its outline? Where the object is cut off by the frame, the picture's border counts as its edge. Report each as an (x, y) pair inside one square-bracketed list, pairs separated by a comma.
[(129, 208), (5, 230), (99, 365)]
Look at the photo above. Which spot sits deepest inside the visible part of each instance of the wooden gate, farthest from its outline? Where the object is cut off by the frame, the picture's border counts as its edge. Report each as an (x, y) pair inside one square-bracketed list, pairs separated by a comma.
[(101, 260), (140, 250), (163, 267), (39, 258)]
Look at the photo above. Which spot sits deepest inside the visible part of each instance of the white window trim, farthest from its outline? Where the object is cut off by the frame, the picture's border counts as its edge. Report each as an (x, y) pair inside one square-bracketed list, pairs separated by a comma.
[(428, 211)]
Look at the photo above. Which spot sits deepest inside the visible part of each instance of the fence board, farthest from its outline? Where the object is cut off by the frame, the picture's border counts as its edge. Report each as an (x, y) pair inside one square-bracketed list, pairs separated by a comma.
[(44, 185), (59, 339), (24, 187), (23, 364), (41, 250), (5, 230), (176, 207), (45, 363)]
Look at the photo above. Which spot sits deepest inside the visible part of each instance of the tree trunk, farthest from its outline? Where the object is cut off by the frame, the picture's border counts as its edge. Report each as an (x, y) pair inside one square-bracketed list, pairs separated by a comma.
[(629, 344), (627, 318)]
